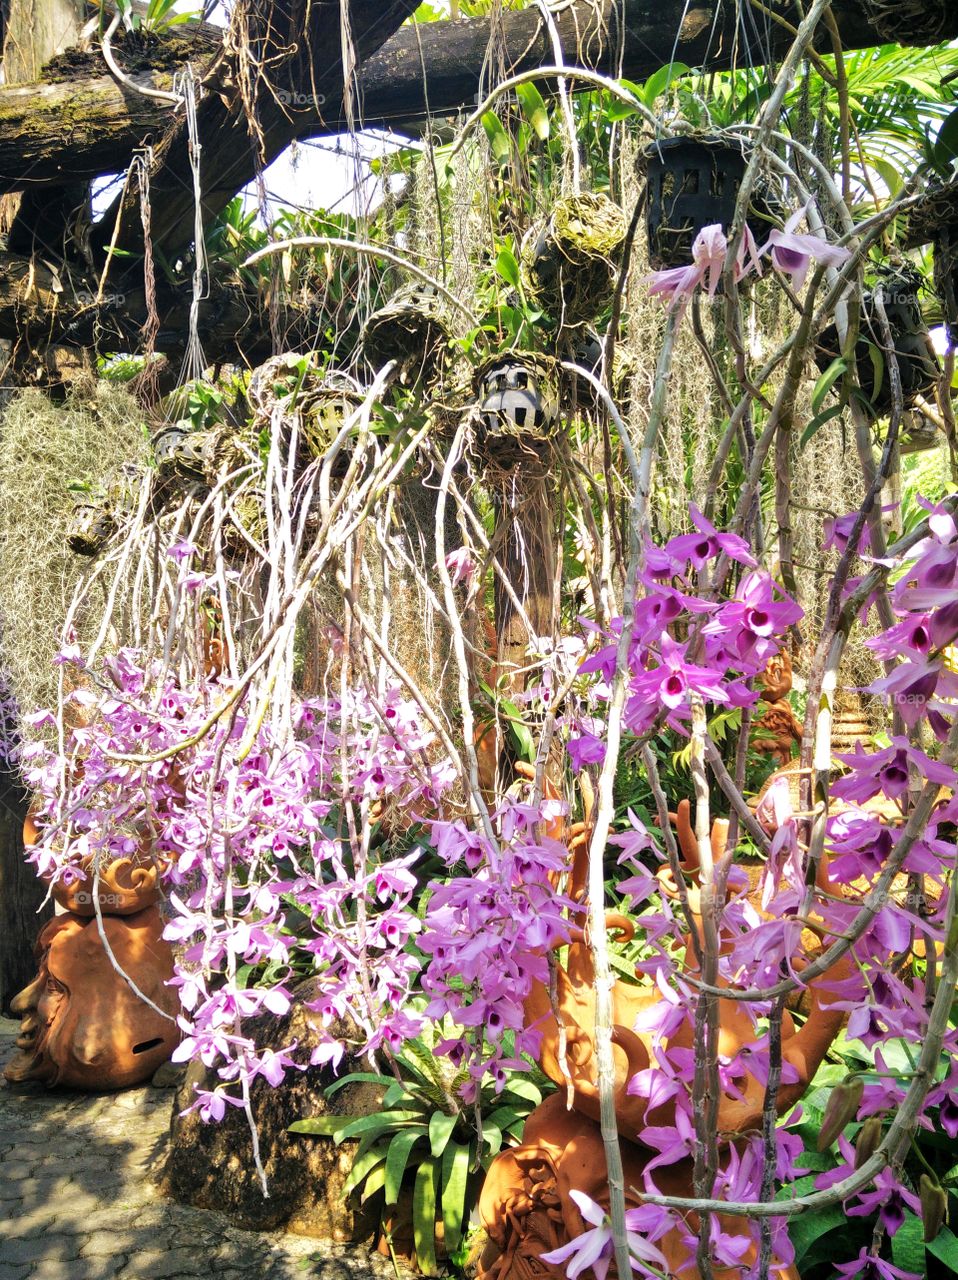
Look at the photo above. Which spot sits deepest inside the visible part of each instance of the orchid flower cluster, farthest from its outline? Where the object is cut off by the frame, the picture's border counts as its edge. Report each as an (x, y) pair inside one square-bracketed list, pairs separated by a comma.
[(684, 646), (270, 869), (791, 254)]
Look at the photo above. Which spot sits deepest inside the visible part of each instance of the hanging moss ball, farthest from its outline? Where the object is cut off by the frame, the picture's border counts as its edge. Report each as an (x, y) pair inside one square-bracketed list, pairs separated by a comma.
[(569, 261), (411, 329), (587, 227)]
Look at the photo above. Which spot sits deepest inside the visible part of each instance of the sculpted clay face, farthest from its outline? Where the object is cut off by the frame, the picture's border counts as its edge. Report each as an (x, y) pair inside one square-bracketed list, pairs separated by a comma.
[(82, 1025)]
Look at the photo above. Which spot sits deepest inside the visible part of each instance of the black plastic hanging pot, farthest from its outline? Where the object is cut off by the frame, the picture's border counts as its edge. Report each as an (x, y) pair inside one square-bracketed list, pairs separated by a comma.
[(918, 365), (693, 182)]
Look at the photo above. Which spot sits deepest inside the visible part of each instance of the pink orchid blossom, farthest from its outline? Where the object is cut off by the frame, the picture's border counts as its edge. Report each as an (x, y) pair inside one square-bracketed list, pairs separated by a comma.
[(792, 254), (709, 249)]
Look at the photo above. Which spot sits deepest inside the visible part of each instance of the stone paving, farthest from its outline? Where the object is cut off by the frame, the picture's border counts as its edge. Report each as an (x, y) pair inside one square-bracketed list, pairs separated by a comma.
[(79, 1200)]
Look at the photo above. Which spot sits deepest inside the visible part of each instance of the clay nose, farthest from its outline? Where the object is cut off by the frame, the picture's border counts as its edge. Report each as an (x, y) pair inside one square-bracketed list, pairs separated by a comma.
[(27, 999)]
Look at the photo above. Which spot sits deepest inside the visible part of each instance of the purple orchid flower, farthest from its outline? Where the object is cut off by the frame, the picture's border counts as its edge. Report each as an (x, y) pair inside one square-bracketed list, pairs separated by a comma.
[(869, 1267), (792, 254), (890, 1198), (595, 1248), (709, 249)]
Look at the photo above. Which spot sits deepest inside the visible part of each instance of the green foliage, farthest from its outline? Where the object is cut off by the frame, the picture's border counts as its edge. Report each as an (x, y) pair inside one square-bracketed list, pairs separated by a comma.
[(160, 16), (426, 1138)]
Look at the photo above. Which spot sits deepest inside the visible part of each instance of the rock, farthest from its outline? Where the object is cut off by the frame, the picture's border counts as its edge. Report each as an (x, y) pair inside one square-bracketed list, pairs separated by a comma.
[(169, 1075), (211, 1165)]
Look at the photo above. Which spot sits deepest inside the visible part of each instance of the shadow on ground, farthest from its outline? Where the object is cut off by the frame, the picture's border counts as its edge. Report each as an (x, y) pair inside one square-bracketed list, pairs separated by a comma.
[(79, 1201)]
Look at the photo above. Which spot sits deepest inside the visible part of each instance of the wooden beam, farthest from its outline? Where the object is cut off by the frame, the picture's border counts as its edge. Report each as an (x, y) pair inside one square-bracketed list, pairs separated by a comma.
[(88, 125)]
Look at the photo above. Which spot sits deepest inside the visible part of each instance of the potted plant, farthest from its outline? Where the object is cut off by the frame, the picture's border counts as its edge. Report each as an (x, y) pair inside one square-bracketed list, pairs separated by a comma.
[(569, 261), (693, 182), (918, 365)]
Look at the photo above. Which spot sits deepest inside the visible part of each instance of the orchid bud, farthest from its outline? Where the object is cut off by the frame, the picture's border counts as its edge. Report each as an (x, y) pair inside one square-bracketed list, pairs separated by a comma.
[(869, 1137), (841, 1109), (934, 1206)]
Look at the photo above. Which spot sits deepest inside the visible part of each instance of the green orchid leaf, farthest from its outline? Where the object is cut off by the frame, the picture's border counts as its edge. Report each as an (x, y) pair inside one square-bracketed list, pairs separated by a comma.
[(397, 1158), (424, 1216), (440, 1131)]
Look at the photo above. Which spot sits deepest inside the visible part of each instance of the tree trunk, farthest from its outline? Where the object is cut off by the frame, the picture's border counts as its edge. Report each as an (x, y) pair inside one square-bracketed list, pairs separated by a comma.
[(21, 893), (525, 512), (36, 30)]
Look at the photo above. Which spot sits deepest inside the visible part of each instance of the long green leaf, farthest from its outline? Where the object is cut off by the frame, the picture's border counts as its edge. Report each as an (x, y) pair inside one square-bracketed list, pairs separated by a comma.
[(534, 109), (827, 381), (374, 1182), (804, 1231), (908, 1247), (324, 1126), (946, 144), (945, 1248), (362, 1167), (356, 1077), (440, 1131), (819, 421), (455, 1176), (382, 1120), (520, 1087), (507, 267), (397, 1158), (660, 80), (499, 143), (424, 1217)]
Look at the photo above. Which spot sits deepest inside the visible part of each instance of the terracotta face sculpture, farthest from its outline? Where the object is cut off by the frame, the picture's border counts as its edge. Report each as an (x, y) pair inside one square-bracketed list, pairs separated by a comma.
[(526, 1207), (81, 1023), (777, 729)]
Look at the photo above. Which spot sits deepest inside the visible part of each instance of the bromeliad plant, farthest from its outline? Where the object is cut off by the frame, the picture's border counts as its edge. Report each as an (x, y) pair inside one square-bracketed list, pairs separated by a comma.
[(427, 1141)]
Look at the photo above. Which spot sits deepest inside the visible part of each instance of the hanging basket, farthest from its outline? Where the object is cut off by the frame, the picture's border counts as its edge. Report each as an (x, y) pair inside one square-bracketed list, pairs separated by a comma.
[(569, 262), (518, 406), (909, 22), (693, 182), (410, 329), (91, 528), (917, 363), (182, 452), (935, 221), (587, 351), (330, 405)]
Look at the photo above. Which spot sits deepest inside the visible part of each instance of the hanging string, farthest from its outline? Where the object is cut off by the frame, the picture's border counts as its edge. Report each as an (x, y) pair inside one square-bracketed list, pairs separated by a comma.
[(194, 362), (142, 164)]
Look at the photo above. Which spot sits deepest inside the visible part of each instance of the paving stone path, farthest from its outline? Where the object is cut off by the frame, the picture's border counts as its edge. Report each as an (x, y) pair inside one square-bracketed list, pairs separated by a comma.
[(79, 1201)]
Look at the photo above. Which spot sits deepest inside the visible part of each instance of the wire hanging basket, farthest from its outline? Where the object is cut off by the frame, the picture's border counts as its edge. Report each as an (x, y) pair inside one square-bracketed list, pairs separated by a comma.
[(935, 221), (91, 527), (909, 22), (518, 406), (410, 328)]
